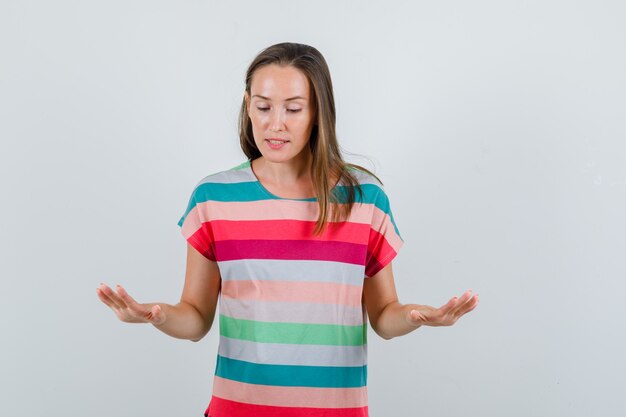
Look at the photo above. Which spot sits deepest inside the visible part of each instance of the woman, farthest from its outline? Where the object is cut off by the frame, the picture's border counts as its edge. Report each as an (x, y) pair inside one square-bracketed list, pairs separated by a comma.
[(296, 246)]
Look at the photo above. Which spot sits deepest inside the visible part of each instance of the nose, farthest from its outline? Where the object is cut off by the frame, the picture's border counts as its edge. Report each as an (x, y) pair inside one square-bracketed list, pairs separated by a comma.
[(277, 122)]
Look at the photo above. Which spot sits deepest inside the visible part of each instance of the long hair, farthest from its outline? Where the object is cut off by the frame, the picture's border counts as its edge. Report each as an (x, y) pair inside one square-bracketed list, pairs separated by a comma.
[(327, 161)]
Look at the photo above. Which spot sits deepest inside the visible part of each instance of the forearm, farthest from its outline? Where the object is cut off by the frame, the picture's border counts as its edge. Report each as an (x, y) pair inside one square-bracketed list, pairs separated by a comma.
[(183, 321), (393, 320)]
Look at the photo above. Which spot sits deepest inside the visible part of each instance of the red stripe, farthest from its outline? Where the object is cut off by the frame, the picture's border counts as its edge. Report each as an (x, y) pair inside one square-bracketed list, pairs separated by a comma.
[(225, 408), (352, 253), (379, 251), (201, 241), (288, 230)]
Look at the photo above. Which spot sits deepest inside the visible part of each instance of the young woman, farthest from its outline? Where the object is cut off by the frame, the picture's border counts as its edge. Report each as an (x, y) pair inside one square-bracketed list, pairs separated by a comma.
[(296, 246)]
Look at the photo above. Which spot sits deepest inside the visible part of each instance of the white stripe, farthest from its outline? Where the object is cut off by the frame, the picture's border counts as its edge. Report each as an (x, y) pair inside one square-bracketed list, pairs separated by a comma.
[(288, 354), (229, 176), (292, 270), (245, 174)]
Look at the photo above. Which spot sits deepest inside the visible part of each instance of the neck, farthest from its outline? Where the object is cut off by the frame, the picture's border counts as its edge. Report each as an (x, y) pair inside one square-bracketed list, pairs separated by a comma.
[(289, 172)]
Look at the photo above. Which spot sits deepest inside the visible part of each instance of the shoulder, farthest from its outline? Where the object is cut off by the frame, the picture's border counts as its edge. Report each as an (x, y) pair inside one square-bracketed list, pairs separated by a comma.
[(225, 185), (363, 177), (228, 185), (238, 173), (369, 188)]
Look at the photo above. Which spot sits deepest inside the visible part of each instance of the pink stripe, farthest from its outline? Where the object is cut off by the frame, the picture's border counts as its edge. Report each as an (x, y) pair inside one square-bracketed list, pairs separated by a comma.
[(192, 223), (263, 210), (290, 396), (310, 292), (381, 222), (301, 312)]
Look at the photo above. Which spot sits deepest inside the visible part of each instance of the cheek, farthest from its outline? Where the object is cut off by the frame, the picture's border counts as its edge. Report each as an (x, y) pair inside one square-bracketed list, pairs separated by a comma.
[(258, 119), (259, 126), (304, 123), (257, 122)]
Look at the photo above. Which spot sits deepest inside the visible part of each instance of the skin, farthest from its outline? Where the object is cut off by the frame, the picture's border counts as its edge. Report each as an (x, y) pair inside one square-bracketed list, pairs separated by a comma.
[(279, 106)]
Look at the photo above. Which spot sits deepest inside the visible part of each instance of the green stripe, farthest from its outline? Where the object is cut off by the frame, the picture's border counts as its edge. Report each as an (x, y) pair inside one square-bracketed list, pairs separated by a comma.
[(243, 165), (291, 375), (292, 333)]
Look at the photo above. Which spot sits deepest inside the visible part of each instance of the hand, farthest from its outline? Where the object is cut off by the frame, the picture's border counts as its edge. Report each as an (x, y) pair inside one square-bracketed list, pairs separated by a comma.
[(127, 309), (445, 315)]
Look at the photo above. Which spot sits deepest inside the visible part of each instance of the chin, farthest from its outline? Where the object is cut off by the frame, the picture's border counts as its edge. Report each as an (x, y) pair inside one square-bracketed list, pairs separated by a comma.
[(271, 155), (277, 159)]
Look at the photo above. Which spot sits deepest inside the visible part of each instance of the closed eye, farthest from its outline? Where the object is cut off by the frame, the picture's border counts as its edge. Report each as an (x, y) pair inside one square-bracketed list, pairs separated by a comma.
[(264, 109)]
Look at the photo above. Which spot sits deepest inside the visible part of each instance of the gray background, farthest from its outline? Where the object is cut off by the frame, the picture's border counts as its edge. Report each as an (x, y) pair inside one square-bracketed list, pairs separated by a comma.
[(497, 127)]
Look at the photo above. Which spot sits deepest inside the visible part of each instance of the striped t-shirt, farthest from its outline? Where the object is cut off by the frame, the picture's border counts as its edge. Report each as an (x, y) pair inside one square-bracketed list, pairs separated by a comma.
[(292, 323)]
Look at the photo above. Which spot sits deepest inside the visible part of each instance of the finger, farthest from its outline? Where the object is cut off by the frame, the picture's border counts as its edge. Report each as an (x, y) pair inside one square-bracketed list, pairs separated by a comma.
[(105, 294), (472, 303), (468, 306), (461, 306), (128, 300), (465, 297), (115, 299), (136, 308), (472, 299), (449, 306), (105, 299)]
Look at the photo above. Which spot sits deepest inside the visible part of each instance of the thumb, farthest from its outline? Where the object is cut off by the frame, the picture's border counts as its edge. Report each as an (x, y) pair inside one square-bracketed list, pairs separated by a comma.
[(157, 316), (416, 318)]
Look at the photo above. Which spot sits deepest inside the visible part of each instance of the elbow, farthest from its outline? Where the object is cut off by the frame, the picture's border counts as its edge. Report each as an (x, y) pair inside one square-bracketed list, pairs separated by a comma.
[(380, 332), (385, 336), (200, 336)]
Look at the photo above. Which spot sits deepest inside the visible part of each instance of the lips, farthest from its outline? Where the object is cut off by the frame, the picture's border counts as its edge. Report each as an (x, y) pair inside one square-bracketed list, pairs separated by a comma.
[(276, 143)]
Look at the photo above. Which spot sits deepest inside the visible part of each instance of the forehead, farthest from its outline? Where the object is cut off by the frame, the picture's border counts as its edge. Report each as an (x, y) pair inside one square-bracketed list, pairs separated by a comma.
[(274, 81)]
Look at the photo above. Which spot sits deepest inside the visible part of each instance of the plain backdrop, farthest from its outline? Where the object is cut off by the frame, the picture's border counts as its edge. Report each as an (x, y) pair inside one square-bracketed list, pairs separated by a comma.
[(497, 127)]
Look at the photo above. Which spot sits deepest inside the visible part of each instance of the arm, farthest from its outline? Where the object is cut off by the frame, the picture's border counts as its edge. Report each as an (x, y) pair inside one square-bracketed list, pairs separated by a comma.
[(389, 318), (191, 318)]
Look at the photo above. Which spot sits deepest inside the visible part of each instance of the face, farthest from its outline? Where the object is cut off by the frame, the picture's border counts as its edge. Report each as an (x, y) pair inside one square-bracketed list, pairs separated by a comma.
[(281, 112)]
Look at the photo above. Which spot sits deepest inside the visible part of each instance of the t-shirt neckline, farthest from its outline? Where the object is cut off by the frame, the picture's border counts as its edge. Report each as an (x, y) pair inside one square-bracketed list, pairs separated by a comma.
[(274, 196)]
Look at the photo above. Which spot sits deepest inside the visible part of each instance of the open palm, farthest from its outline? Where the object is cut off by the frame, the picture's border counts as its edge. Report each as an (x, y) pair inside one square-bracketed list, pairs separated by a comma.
[(445, 315), (127, 309)]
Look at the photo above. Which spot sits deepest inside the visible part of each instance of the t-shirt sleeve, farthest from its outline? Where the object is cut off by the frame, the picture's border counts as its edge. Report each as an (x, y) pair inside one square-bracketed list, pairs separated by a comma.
[(384, 238), (196, 225)]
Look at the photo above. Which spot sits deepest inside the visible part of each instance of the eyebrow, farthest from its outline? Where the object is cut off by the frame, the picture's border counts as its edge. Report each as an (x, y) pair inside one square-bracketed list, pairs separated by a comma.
[(269, 99)]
